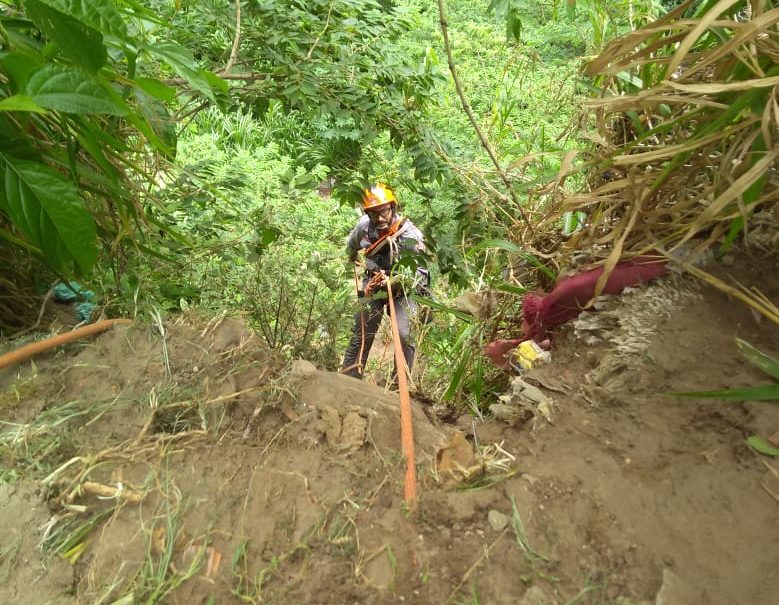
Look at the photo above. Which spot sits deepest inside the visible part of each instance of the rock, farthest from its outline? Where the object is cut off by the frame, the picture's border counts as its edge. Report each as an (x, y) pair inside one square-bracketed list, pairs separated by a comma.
[(352, 432), (331, 420), (302, 368), (456, 457), (497, 519), (514, 415), (675, 591)]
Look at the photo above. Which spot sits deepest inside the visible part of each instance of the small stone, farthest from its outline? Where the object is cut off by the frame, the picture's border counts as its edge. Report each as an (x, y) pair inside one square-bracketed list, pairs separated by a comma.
[(774, 439), (497, 519)]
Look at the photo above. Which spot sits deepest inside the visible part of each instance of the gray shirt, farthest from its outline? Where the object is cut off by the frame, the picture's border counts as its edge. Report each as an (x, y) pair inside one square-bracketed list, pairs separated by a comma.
[(365, 234)]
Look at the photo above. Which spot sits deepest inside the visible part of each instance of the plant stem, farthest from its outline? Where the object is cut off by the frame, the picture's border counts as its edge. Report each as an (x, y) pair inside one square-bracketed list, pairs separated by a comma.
[(469, 112)]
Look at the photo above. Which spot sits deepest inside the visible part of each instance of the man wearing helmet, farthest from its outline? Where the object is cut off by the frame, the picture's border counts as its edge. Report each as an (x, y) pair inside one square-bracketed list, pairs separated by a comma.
[(381, 235)]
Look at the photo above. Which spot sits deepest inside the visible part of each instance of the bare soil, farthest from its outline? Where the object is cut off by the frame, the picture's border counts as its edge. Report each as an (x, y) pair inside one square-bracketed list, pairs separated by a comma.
[(229, 476)]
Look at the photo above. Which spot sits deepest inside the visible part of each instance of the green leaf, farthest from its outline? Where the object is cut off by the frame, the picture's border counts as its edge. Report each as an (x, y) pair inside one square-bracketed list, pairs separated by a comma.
[(155, 88), (767, 364), (769, 392), (71, 91), (80, 43), (183, 63), (19, 66), (48, 208), (160, 121), (513, 25), (762, 446), (20, 103), (457, 377), (101, 15), (511, 289), (437, 306), (500, 244)]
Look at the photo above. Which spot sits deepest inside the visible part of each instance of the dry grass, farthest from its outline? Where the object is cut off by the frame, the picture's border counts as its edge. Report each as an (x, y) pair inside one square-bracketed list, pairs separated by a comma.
[(688, 157)]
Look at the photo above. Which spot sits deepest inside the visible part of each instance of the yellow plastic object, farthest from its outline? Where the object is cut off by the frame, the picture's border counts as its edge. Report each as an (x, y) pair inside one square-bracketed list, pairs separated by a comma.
[(529, 355)]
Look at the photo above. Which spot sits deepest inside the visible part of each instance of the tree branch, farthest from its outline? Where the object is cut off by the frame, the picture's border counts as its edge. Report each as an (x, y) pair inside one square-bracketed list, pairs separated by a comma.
[(250, 77), (467, 108), (322, 33), (236, 41)]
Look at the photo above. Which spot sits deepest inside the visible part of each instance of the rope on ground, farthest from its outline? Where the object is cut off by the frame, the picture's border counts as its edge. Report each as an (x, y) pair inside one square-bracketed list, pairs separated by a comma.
[(406, 425), (24, 353)]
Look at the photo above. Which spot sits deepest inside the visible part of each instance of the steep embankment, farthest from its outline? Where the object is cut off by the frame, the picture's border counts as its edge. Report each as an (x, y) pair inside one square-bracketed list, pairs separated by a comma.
[(188, 465)]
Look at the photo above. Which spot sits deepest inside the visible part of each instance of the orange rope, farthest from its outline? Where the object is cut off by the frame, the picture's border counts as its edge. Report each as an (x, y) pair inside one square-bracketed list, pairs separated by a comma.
[(27, 351), (406, 425)]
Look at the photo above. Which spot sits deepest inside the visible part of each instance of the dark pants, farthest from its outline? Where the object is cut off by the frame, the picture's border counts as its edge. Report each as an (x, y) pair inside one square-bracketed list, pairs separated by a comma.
[(367, 321)]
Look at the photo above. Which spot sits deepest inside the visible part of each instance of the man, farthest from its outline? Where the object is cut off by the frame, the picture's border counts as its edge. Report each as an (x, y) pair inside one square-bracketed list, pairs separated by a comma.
[(382, 235)]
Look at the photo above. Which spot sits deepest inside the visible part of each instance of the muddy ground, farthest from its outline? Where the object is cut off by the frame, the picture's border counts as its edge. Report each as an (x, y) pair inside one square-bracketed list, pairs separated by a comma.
[(184, 464)]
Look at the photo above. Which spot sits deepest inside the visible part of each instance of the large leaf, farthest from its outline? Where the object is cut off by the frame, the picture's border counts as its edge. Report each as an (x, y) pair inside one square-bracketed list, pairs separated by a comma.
[(48, 208), (80, 43), (101, 15), (184, 64), (19, 66), (71, 91), (156, 89)]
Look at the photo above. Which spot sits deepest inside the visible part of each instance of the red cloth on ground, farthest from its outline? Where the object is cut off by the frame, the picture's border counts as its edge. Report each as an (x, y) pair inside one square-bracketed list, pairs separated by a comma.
[(571, 294), (568, 298)]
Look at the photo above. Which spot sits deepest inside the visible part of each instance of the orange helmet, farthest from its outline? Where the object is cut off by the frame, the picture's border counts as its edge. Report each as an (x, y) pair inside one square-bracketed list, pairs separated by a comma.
[(377, 196)]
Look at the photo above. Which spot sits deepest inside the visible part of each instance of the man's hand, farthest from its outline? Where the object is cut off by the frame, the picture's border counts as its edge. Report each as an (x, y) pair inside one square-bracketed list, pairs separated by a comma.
[(377, 281)]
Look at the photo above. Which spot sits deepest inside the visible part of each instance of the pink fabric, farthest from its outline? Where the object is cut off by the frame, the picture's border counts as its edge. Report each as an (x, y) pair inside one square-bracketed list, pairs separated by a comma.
[(497, 351), (570, 295), (568, 298)]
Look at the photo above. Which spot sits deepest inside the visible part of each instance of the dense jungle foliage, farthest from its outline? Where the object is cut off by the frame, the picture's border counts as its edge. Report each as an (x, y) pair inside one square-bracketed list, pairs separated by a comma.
[(177, 154)]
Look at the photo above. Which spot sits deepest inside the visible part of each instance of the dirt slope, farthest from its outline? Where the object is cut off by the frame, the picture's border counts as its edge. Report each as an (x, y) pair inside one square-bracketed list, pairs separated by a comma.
[(228, 476)]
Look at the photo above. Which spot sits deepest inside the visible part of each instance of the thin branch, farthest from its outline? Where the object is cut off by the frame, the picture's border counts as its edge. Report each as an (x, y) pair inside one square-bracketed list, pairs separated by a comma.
[(248, 77), (236, 41), (322, 33), (467, 108)]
